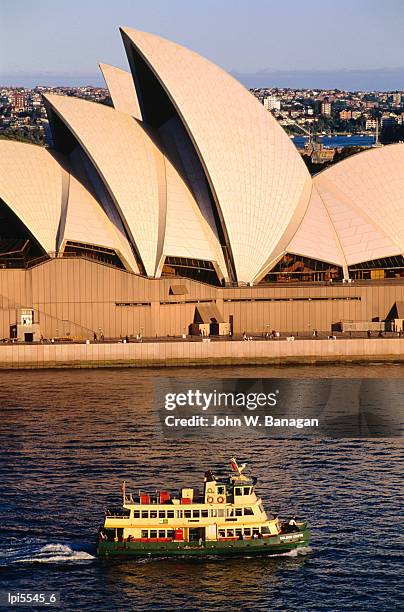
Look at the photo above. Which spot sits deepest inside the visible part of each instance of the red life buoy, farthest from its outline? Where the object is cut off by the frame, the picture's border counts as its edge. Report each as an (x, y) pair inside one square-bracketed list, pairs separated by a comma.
[(220, 499), (210, 500)]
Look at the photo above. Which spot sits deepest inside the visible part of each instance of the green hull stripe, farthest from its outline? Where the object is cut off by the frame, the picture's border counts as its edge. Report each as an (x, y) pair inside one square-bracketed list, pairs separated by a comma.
[(169, 549)]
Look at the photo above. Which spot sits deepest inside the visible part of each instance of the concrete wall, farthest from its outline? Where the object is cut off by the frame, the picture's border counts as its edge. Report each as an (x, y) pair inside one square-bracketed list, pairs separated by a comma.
[(80, 297), (198, 353)]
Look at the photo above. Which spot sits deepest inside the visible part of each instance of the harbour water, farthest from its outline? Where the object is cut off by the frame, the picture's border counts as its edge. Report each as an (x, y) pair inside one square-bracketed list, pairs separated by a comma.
[(69, 438), (356, 140)]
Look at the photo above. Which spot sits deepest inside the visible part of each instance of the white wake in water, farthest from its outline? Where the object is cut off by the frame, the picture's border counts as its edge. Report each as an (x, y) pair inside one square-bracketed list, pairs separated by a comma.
[(55, 553), (296, 552)]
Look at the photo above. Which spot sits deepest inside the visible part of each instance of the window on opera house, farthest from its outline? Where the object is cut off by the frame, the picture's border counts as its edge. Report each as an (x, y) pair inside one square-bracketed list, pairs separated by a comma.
[(196, 269), (386, 267), (17, 246), (295, 268), (91, 251)]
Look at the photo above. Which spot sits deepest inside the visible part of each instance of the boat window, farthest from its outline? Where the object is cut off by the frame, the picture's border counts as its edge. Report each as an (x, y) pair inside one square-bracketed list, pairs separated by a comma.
[(239, 512), (248, 512), (265, 530), (187, 513), (230, 511), (247, 490), (170, 513), (153, 514), (220, 512), (195, 513), (222, 533), (238, 491), (179, 513), (230, 533), (145, 514), (256, 531), (162, 533), (162, 514), (204, 513), (239, 532), (144, 533), (153, 533), (136, 514), (170, 533), (220, 490), (213, 513), (247, 531)]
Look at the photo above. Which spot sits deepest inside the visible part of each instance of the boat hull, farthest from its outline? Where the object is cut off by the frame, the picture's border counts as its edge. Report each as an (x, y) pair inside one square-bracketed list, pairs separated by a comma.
[(270, 546)]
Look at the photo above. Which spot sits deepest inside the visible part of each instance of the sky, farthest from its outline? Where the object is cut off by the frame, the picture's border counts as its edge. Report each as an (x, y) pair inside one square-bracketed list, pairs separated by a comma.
[(262, 42)]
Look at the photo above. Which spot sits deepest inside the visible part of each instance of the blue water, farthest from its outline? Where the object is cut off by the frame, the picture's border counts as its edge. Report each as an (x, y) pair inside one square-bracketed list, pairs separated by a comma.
[(69, 438), (338, 141)]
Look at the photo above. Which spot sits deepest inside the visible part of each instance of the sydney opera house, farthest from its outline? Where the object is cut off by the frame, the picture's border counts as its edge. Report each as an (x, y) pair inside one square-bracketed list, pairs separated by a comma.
[(184, 205)]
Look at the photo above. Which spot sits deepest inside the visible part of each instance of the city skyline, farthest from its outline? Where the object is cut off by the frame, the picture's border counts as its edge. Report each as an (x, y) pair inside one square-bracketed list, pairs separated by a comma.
[(260, 43)]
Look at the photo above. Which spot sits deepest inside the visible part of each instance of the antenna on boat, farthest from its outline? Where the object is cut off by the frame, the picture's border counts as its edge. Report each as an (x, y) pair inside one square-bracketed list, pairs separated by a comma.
[(123, 491)]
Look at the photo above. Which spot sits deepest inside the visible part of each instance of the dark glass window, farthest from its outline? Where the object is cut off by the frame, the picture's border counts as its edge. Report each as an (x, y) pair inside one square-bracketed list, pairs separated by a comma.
[(297, 268)]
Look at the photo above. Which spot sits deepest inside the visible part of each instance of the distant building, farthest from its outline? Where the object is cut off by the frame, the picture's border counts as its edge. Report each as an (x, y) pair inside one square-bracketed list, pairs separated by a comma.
[(19, 101), (326, 108), (388, 120), (345, 115), (272, 103), (397, 98), (371, 124)]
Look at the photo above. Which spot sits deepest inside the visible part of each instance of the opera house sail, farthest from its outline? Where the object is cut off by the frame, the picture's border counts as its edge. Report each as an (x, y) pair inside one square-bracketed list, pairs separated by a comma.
[(187, 191)]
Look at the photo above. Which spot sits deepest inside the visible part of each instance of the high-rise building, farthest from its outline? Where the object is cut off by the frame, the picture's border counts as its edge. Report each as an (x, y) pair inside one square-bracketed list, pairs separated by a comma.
[(19, 101), (272, 103), (388, 120), (397, 98), (326, 108)]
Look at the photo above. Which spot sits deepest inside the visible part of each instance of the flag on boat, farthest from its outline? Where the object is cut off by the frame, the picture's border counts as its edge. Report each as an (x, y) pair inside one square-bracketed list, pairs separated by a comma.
[(233, 465)]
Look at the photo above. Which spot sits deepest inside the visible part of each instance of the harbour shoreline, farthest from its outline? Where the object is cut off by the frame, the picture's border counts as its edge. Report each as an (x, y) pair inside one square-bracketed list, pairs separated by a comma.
[(186, 353)]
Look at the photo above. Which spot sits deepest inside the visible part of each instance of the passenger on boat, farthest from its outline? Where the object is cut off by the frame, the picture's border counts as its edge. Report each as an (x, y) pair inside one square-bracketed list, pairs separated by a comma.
[(293, 524)]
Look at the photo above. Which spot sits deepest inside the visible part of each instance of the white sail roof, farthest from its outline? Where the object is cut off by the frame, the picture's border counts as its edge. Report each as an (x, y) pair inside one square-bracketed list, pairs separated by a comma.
[(121, 89), (125, 158), (31, 186), (257, 177), (364, 195), (86, 222)]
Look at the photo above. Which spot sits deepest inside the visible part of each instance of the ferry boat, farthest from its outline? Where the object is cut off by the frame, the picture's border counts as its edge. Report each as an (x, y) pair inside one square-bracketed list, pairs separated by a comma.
[(226, 518)]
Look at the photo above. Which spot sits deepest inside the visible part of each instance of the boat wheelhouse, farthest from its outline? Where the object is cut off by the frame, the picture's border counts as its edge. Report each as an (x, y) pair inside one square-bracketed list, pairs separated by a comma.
[(226, 517)]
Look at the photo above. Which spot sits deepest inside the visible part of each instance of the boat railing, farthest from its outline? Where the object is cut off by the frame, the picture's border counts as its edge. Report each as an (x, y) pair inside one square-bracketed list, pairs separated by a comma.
[(157, 498)]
